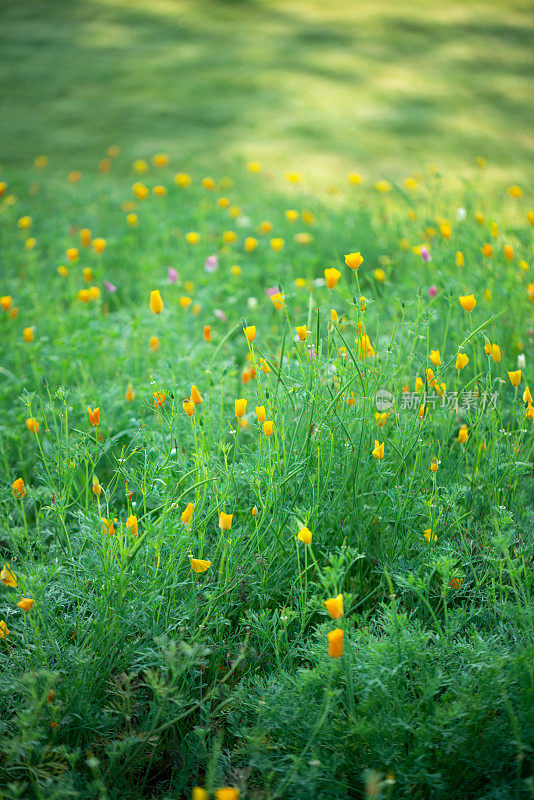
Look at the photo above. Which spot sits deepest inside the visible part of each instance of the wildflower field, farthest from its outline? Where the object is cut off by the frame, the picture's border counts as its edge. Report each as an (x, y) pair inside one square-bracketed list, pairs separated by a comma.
[(266, 491)]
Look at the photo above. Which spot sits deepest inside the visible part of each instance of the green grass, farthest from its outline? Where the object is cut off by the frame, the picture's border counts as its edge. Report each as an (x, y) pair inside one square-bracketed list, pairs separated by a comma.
[(133, 676), (164, 679), (380, 87)]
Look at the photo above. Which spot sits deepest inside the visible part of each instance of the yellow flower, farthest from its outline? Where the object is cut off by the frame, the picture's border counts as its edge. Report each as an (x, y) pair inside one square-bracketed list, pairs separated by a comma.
[(154, 343), (94, 292), (383, 186), (3, 629), (495, 353), (302, 332), (185, 301), (268, 428), (435, 357), (225, 521), (266, 226), (380, 275), (99, 245), (264, 366), (182, 179), (234, 211), (6, 301), (515, 377), (305, 535), (277, 243), (292, 215), (192, 237), (24, 223), (463, 434), (487, 250), (515, 191), (208, 183), (199, 793), (459, 258), (250, 333), (131, 219), (479, 217), (334, 315), (32, 424), (229, 237), (335, 643), (334, 606), (293, 177), (445, 230), (240, 407), (131, 523), (199, 565), (527, 398), (461, 361), (354, 178), (41, 162), (30, 243), (7, 577), (508, 252), (72, 253), (277, 300), (260, 413), (434, 465), (140, 166), (156, 303), (429, 537), (227, 793), (130, 394), (254, 166), (250, 244), (27, 334), (354, 260), (468, 302), (26, 603), (331, 276), (160, 160), (187, 513), (207, 333), (380, 416), (303, 238), (378, 451), (62, 270), (94, 416), (188, 407), (97, 489), (140, 191), (20, 490)]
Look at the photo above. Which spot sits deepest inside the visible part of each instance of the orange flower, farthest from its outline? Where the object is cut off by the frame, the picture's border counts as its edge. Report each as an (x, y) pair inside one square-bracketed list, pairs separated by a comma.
[(26, 603), (107, 526), (260, 413), (196, 397), (32, 424), (85, 237), (461, 361), (378, 451), (302, 332), (334, 606), (94, 416), (277, 300), (515, 377), (335, 643), (130, 394), (19, 488), (268, 428), (7, 577), (3, 629), (468, 302), (6, 302), (250, 244), (250, 333), (159, 399), (463, 434), (207, 333), (72, 253), (154, 343), (199, 565)]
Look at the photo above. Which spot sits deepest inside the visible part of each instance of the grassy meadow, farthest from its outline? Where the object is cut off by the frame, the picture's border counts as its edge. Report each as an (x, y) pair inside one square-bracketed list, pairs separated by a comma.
[(266, 432)]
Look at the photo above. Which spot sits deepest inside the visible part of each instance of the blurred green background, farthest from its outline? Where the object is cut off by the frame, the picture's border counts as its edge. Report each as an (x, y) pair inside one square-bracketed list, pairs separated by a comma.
[(383, 87)]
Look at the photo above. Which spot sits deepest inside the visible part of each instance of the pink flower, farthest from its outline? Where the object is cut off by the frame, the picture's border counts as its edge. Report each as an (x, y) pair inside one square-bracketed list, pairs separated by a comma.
[(219, 313), (432, 292), (172, 275), (425, 254), (271, 290), (211, 264), (110, 286)]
